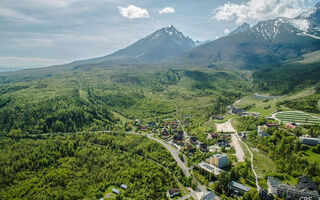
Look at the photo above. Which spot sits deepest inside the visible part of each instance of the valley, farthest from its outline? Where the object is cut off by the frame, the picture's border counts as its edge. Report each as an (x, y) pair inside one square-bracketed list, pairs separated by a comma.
[(168, 117)]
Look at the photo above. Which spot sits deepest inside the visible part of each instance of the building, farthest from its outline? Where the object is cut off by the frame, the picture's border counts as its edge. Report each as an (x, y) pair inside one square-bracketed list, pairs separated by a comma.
[(310, 141), (211, 169), (152, 124), (214, 135), (219, 160), (191, 148), (271, 125), (291, 125), (143, 128), (238, 189), (305, 188), (223, 143), (193, 140), (264, 195), (173, 192), (203, 147), (209, 196), (116, 191), (236, 110), (262, 132), (123, 186), (178, 139)]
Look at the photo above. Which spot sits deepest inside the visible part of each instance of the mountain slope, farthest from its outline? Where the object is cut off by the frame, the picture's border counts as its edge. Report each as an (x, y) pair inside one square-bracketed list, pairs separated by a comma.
[(160, 45), (268, 42), (244, 27)]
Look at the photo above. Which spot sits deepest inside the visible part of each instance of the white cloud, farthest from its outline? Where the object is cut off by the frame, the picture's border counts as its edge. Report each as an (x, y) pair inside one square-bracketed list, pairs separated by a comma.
[(256, 10), (12, 15), (133, 12), (166, 10), (226, 31)]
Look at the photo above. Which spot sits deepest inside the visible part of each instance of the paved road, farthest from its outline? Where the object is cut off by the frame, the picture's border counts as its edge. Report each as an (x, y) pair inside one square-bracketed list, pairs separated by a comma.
[(175, 155)]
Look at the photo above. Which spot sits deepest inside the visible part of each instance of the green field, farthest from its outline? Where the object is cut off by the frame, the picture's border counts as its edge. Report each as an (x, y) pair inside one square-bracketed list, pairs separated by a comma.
[(297, 117)]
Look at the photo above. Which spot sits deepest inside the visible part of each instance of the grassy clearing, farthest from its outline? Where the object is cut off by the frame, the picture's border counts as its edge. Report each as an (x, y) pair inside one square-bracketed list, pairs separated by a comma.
[(262, 106), (311, 156)]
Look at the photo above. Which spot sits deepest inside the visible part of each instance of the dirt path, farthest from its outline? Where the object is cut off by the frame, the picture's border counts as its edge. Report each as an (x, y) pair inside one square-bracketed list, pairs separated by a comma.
[(227, 127)]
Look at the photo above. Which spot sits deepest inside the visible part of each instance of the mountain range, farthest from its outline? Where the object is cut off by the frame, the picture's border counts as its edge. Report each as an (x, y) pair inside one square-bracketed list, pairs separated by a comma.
[(247, 47)]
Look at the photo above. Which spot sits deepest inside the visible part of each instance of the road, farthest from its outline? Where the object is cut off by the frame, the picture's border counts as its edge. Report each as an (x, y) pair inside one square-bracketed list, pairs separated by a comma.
[(175, 154)]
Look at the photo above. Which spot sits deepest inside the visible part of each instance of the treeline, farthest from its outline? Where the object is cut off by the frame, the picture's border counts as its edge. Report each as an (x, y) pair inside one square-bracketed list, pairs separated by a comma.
[(83, 166), (309, 103), (286, 78), (63, 113)]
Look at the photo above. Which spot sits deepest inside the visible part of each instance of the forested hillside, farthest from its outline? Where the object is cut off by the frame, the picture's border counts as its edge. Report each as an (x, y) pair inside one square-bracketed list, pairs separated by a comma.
[(88, 99), (84, 166)]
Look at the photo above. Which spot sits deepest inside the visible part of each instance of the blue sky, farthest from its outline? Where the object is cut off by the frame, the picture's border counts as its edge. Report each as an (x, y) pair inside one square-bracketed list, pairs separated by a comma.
[(37, 33)]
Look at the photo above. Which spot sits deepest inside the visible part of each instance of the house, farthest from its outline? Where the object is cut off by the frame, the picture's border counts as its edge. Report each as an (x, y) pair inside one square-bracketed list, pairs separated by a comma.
[(306, 188), (271, 125), (173, 192), (243, 134), (214, 135), (123, 186), (209, 196), (193, 140), (262, 132), (219, 160), (291, 125), (218, 117), (143, 128), (165, 136), (203, 147), (191, 148), (310, 141), (165, 130), (116, 191), (152, 124), (236, 110), (178, 139), (226, 136), (238, 189), (223, 143)]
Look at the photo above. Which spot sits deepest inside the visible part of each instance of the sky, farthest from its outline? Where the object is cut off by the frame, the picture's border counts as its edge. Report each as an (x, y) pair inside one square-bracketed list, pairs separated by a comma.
[(38, 33)]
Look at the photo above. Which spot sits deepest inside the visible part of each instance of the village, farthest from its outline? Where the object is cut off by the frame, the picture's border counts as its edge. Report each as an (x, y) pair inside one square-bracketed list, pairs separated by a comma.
[(222, 153)]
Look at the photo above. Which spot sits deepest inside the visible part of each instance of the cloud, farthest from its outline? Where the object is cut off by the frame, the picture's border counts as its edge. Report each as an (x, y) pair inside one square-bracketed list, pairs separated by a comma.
[(133, 12), (166, 10), (12, 15), (226, 31), (257, 10)]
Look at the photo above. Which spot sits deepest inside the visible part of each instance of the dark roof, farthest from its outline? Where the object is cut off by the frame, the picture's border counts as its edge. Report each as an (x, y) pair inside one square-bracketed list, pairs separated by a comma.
[(193, 138), (209, 196), (306, 183), (173, 191), (239, 186), (203, 145)]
